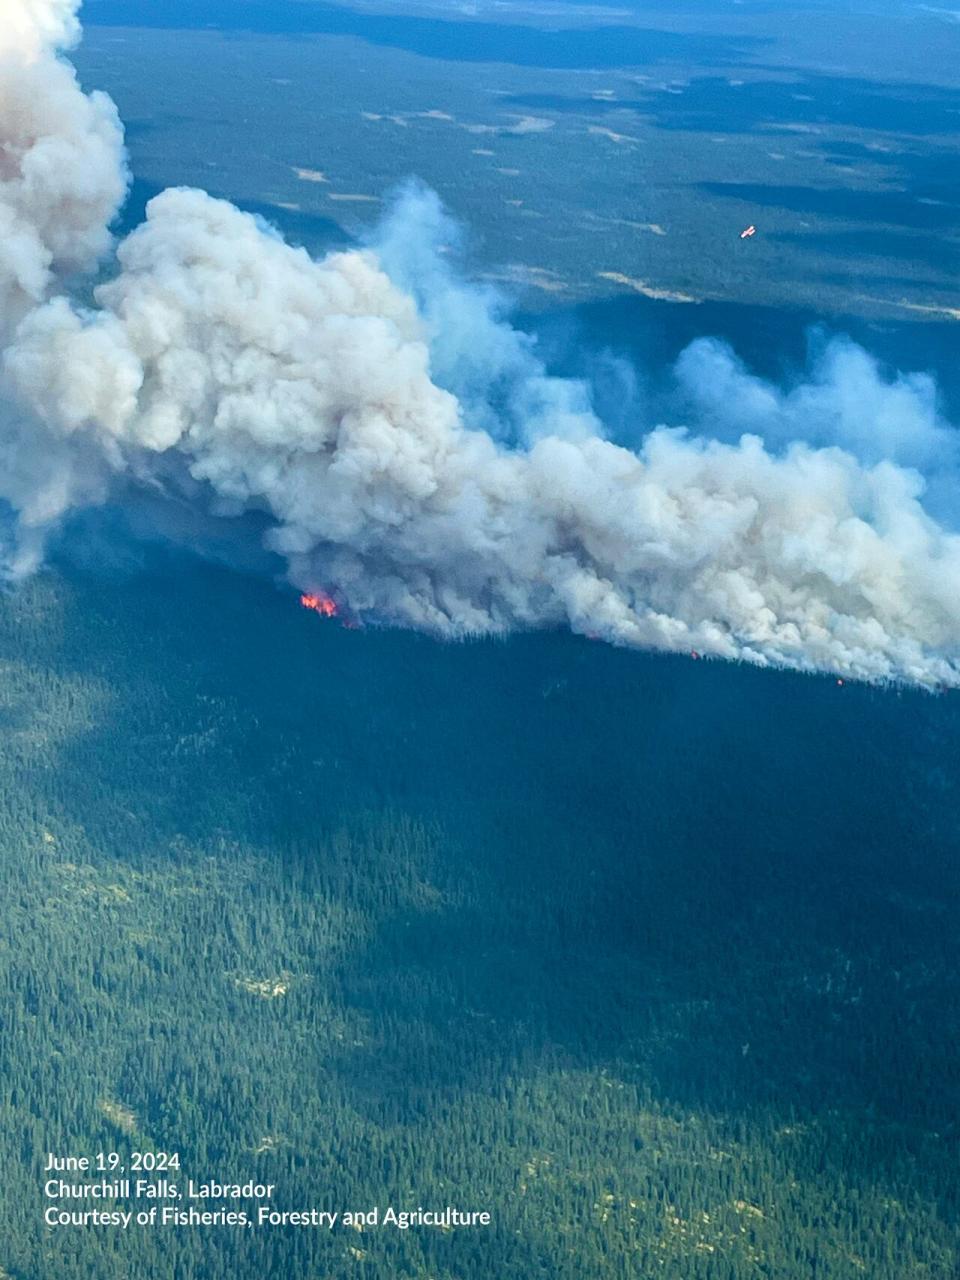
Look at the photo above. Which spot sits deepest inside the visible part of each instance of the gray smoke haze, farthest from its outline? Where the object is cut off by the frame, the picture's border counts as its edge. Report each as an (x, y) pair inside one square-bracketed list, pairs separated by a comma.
[(408, 448), (475, 353)]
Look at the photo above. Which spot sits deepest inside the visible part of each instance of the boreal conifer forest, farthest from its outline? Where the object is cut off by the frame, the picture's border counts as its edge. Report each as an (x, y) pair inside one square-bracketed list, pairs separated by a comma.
[(654, 960)]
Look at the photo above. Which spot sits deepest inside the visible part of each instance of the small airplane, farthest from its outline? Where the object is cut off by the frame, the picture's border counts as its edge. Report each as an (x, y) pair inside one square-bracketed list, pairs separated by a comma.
[(748, 232)]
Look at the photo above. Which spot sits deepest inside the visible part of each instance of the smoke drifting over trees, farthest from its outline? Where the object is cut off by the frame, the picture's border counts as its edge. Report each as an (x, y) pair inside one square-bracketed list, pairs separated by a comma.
[(408, 447)]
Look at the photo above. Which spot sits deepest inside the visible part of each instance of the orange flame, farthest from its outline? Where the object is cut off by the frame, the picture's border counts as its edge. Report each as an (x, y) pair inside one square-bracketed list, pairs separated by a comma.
[(319, 603)]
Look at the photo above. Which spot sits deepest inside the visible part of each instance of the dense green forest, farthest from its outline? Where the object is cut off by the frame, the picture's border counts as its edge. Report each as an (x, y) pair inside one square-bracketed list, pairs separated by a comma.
[(655, 960)]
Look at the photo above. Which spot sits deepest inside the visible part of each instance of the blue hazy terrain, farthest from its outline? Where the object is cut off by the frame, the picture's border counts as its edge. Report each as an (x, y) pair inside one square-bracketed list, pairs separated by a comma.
[(590, 150)]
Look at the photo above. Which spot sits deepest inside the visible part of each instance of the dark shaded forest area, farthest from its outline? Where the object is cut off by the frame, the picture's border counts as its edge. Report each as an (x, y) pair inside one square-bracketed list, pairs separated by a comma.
[(654, 960)]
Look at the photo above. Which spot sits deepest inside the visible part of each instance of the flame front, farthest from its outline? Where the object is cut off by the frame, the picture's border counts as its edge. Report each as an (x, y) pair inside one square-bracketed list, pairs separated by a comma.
[(319, 603)]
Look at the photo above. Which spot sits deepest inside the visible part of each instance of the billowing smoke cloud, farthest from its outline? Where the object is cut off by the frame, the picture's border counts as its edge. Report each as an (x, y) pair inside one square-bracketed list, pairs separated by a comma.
[(62, 179), (62, 173), (34, 27), (847, 403), (414, 458), (475, 353)]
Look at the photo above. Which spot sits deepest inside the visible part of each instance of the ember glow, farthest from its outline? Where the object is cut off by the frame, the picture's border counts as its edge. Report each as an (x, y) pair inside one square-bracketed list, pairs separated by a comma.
[(319, 603)]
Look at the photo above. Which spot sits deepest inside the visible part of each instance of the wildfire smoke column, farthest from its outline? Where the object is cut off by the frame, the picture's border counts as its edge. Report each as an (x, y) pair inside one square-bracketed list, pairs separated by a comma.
[(222, 367)]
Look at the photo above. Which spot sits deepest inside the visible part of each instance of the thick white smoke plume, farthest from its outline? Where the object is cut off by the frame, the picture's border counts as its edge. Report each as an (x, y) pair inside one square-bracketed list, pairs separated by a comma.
[(34, 27), (62, 172), (311, 391), (62, 180)]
